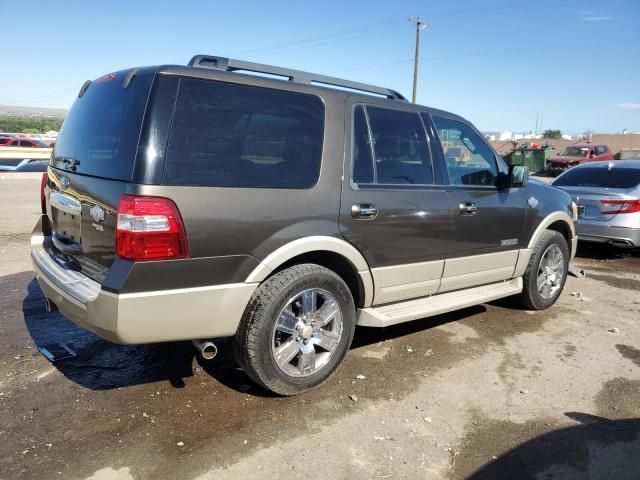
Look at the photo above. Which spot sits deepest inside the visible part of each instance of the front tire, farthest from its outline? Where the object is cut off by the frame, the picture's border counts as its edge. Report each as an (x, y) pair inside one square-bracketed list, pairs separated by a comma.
[(546, 273), (296, 330)]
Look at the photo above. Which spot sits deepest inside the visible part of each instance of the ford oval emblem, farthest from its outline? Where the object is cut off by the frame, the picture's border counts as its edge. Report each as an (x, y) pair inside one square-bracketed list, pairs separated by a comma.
[(64, 183)]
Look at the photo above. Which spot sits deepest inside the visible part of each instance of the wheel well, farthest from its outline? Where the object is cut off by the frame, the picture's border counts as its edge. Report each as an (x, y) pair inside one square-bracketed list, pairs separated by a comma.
[(338, 264), (563, 229)]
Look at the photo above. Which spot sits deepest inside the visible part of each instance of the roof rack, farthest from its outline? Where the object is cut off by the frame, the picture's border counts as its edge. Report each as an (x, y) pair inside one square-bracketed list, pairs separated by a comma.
[(297, 76)]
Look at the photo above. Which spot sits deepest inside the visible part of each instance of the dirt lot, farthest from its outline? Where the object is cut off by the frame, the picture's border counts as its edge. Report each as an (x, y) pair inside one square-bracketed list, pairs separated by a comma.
[(490, 392)]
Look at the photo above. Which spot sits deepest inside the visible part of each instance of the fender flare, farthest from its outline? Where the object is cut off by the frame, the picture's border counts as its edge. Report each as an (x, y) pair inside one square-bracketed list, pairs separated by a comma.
[(544, 225), (316, 244)]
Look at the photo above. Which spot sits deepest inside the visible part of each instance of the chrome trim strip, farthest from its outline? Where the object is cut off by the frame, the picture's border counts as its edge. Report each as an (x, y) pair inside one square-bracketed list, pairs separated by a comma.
[(65, 203)]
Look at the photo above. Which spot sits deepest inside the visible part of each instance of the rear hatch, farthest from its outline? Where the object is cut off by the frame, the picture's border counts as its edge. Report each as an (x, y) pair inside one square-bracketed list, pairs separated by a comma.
[(91, 166)]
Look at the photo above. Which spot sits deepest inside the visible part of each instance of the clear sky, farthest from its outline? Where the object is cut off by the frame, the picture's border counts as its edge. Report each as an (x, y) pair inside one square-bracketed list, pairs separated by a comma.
[(500, 63)]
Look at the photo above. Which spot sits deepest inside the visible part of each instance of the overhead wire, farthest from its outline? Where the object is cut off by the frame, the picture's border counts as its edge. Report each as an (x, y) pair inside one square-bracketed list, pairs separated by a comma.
[(378, 28)]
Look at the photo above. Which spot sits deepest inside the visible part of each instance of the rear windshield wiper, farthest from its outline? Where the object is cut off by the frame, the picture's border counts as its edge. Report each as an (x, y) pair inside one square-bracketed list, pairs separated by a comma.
[(71, 162)]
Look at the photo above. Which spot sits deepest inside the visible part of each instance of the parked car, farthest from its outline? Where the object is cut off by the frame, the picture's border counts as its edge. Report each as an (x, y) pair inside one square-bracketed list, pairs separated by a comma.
[(21, 142), (608, 199), (577, 155), (26, 165), (194, 203)]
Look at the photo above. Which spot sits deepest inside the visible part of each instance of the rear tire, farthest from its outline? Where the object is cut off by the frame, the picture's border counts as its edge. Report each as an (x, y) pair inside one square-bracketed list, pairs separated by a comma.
[(546, 273), (296, 330)]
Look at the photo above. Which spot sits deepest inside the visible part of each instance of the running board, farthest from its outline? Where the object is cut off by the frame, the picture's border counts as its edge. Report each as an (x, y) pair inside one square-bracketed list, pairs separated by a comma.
[(394, 313)]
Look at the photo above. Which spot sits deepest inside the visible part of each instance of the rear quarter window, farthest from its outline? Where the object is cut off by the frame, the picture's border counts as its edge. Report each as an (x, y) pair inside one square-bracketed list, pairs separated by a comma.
[(228, 135)]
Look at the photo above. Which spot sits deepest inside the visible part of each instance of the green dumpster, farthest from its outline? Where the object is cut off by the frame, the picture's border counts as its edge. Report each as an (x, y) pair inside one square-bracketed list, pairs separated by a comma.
[(533, 158)]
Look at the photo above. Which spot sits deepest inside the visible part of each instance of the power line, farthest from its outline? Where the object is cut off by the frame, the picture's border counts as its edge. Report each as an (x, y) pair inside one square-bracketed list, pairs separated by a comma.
[(45, 96), (484, 54), (338, 36), (381, 27), (372, 29)]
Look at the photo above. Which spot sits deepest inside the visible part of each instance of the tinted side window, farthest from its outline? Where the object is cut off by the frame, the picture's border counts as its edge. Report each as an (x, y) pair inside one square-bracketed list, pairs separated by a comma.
[(601, 150), (241, 136), (469, 160), (363, 168), (400, 148)]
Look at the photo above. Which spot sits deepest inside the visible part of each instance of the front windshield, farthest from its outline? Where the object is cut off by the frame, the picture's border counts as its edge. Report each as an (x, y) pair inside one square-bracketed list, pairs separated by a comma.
[(575, 152)]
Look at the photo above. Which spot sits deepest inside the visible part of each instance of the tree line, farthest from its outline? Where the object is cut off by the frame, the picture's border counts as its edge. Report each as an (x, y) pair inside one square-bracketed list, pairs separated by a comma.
[(29, 124)]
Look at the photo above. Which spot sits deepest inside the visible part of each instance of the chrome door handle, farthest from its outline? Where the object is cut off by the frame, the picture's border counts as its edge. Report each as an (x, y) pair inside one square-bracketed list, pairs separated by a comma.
[(364, 211), (468, 208)]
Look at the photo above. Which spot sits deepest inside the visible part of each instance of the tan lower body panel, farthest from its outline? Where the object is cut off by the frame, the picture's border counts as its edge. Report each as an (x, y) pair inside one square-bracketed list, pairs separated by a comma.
[(392, 284), (474, 270), (169, 315), (395, 313), (523, 262), (184, 314)]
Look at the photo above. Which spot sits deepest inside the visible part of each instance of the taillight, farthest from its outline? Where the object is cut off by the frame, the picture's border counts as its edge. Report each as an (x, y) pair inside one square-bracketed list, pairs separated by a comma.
[(149, 228), (43, 200), (620, 206)]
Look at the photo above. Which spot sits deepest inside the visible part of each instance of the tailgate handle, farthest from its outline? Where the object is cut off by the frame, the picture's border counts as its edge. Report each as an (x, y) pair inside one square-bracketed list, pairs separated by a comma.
[(65, 203), (65, 247)]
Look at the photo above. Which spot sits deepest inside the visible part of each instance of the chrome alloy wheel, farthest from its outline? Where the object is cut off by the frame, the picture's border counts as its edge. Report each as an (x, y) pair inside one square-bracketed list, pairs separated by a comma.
[(307, 332), (550, 272)]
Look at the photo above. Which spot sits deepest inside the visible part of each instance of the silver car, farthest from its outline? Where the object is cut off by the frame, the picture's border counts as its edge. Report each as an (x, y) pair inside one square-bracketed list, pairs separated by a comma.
[(608, 199)]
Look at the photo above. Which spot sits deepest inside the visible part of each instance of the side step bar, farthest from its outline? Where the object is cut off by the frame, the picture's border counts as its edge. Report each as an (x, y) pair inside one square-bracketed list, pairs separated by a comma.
[(395, 313)]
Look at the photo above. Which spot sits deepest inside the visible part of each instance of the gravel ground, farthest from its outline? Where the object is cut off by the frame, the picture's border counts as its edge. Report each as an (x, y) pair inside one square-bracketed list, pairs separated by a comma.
[(489, 392)]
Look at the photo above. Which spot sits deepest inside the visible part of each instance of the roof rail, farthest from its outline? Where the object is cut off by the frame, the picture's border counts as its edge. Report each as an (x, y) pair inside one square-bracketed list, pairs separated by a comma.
[(297, 76)]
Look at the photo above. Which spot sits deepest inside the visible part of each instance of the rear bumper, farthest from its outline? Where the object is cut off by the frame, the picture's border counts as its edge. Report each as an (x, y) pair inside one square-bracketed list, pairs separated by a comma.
[(608, 234), (146, 317)]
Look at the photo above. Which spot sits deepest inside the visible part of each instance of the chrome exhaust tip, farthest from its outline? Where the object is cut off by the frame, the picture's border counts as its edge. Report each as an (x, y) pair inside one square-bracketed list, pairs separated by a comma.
[(49, 306), (621, 243), (207, 348)]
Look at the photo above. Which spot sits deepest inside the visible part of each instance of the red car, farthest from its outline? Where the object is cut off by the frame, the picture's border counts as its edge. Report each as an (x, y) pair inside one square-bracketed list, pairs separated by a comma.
[(577, 154), (21, 142)]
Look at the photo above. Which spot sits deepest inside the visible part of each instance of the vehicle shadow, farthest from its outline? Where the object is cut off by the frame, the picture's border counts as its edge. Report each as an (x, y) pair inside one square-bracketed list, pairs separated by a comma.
[(598, 448), (101, 365), (604, 251)]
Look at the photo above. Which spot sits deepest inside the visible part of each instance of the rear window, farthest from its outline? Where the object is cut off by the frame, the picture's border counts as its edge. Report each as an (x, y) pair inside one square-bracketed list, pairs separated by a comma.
[(102, 129), (242, 136), (600, 176)]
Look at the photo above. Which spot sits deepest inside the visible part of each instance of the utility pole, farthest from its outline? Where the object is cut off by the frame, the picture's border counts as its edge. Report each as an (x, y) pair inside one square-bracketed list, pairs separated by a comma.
[(420, 25)]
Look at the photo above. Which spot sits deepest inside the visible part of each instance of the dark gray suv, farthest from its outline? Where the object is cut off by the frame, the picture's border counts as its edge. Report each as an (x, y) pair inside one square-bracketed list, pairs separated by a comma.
[(194, 203)]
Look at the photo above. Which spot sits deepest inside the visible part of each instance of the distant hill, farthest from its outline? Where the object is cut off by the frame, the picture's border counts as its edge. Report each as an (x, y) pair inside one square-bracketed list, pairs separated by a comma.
[(32, 111)]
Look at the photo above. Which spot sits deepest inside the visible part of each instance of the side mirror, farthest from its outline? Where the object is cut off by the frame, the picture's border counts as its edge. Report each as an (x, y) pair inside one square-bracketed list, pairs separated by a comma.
[(518, 175)]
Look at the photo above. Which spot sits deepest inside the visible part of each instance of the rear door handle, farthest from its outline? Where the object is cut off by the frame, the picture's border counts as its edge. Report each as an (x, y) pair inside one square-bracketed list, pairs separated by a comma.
[(366, 211), (468, 208)]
